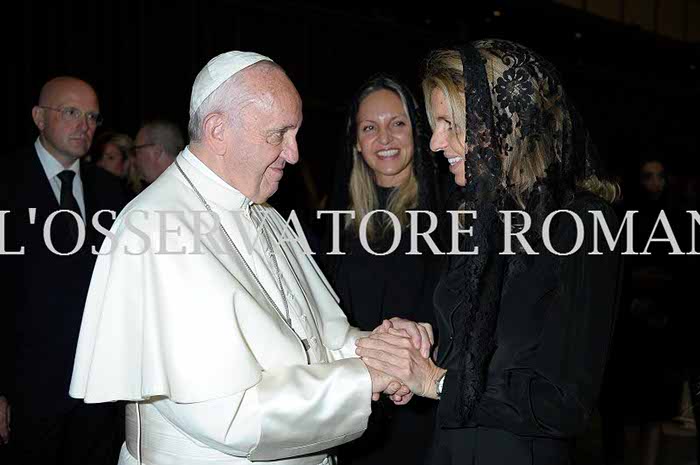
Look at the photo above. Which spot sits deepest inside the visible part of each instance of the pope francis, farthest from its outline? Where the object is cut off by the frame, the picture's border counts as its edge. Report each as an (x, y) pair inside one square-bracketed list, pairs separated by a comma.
[(204, 312)]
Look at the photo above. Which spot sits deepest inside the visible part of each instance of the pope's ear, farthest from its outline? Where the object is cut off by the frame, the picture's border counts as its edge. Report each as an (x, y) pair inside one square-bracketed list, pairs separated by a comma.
[(214, 127)]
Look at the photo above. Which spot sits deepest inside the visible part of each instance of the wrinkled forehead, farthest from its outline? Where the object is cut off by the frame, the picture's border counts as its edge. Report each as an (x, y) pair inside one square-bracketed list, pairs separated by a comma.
[(281, 103)]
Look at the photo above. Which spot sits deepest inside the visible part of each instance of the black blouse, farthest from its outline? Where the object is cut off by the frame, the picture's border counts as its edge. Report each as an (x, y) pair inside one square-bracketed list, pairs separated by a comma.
[(372, 288), (554, 330)]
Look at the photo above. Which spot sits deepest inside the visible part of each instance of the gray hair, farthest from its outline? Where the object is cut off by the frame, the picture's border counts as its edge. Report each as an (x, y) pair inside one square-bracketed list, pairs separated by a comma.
[(166, 134), (228, 99)]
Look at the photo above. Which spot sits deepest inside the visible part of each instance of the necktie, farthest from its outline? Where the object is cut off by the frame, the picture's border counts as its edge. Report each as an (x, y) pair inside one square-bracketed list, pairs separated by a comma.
[(68, 202)]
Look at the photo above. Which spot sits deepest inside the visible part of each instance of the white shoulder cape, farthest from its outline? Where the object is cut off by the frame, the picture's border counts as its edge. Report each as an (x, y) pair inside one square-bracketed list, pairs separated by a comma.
[(158, 324)]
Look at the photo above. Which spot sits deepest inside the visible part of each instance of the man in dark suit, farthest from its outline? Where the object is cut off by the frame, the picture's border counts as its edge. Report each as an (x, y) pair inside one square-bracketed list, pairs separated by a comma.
[(50, 282)]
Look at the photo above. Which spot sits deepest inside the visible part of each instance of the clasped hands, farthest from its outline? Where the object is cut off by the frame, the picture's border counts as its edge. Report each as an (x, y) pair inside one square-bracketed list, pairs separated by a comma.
[(397, 355)]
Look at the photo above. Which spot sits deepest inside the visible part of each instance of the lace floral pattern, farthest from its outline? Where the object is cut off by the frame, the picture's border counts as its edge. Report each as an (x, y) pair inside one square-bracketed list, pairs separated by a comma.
[(525, 104)]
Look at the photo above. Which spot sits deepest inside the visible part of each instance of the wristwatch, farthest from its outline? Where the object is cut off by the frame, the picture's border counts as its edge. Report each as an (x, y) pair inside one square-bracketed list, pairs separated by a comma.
[(438, 385)]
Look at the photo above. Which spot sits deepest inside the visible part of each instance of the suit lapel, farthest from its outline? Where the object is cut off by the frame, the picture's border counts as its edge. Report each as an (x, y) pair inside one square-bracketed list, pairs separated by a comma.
[(36, 186), (90, 200)]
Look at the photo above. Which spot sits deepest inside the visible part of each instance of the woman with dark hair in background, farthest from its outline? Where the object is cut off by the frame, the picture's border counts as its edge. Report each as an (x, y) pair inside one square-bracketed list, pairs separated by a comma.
[(644, 380), (386, 165), (112, 153), (523, 337)]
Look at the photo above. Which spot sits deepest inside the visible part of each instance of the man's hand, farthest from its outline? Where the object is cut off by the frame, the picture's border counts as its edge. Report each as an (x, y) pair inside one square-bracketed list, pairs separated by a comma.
[(381, 382), (421, 334), (4, 420), (398, 392), (385, 384), (402, 399)]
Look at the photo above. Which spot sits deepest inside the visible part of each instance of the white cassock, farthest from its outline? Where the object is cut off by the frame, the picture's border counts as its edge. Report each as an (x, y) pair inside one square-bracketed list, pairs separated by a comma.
[(214, 374)]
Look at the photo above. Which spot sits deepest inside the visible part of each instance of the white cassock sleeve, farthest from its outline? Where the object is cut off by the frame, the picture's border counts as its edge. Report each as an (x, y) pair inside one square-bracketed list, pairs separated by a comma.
[(349, 347), (193, 330), (292, 411)]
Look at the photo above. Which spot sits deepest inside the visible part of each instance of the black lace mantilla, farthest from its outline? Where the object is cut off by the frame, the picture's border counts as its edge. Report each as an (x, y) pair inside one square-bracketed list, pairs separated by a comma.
[(509, 107)]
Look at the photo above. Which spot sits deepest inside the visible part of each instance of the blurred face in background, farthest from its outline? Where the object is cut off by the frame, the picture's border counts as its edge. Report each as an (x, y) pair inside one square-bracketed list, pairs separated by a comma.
[(145, 156), (385, 137), (653, 178), (113, 160)]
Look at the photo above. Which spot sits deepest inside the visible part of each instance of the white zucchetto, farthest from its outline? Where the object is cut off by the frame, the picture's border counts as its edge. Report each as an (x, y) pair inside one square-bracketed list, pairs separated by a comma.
[(217, 71)]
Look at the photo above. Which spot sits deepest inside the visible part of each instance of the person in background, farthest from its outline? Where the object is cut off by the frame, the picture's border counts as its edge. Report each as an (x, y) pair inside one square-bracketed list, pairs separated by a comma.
[(156, 145), (49, 283), (645, 382), (112, 153), (386, 165)]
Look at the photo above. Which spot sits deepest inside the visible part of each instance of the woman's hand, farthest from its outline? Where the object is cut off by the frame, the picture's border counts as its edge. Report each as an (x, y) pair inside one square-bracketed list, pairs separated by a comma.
[(395, 354), (421, 334)]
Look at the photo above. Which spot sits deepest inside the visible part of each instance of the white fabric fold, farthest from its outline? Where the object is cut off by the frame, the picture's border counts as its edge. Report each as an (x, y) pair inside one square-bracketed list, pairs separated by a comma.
[(174, 320)]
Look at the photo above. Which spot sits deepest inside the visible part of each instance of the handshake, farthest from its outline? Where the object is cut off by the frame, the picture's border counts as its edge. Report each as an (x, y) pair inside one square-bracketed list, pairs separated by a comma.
[(397, 355)]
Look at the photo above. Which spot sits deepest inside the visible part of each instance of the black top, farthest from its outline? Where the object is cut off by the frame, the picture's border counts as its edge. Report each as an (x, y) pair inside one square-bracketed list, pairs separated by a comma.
[(554, 328), (372, 288), (651, 343), (41, 322)]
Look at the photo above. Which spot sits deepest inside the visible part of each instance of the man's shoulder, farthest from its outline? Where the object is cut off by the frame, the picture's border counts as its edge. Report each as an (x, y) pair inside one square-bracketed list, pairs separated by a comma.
[(103, 189), (97, 173), (104, 180), (163, 193), (163, 197)]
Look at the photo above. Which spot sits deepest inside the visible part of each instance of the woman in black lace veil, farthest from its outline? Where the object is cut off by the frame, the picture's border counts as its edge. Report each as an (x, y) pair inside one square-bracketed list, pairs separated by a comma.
[(386, 165), (524, 336)]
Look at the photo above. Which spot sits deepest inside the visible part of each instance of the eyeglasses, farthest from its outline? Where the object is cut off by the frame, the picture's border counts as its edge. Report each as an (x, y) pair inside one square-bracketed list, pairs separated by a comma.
[(136, 148), (70, 114)]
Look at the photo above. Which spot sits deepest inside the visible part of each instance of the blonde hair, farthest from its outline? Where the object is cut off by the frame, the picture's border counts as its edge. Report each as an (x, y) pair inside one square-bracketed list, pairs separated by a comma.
[(444, 71), (528, 158), (363, 186)]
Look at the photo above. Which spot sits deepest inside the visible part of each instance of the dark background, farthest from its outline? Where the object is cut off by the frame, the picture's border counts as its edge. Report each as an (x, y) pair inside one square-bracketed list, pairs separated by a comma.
[(638, 91)]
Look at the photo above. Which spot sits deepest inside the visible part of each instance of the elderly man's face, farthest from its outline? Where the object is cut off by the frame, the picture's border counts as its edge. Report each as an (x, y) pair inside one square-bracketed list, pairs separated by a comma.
[(145, 155), (264, 140)]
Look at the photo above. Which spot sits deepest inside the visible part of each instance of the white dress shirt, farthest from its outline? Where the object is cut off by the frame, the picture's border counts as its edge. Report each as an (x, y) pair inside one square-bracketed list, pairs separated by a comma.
[(52, 168)]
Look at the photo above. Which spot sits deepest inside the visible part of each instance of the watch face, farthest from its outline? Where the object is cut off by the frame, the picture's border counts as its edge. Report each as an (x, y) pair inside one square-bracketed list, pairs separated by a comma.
[(438, 385)]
